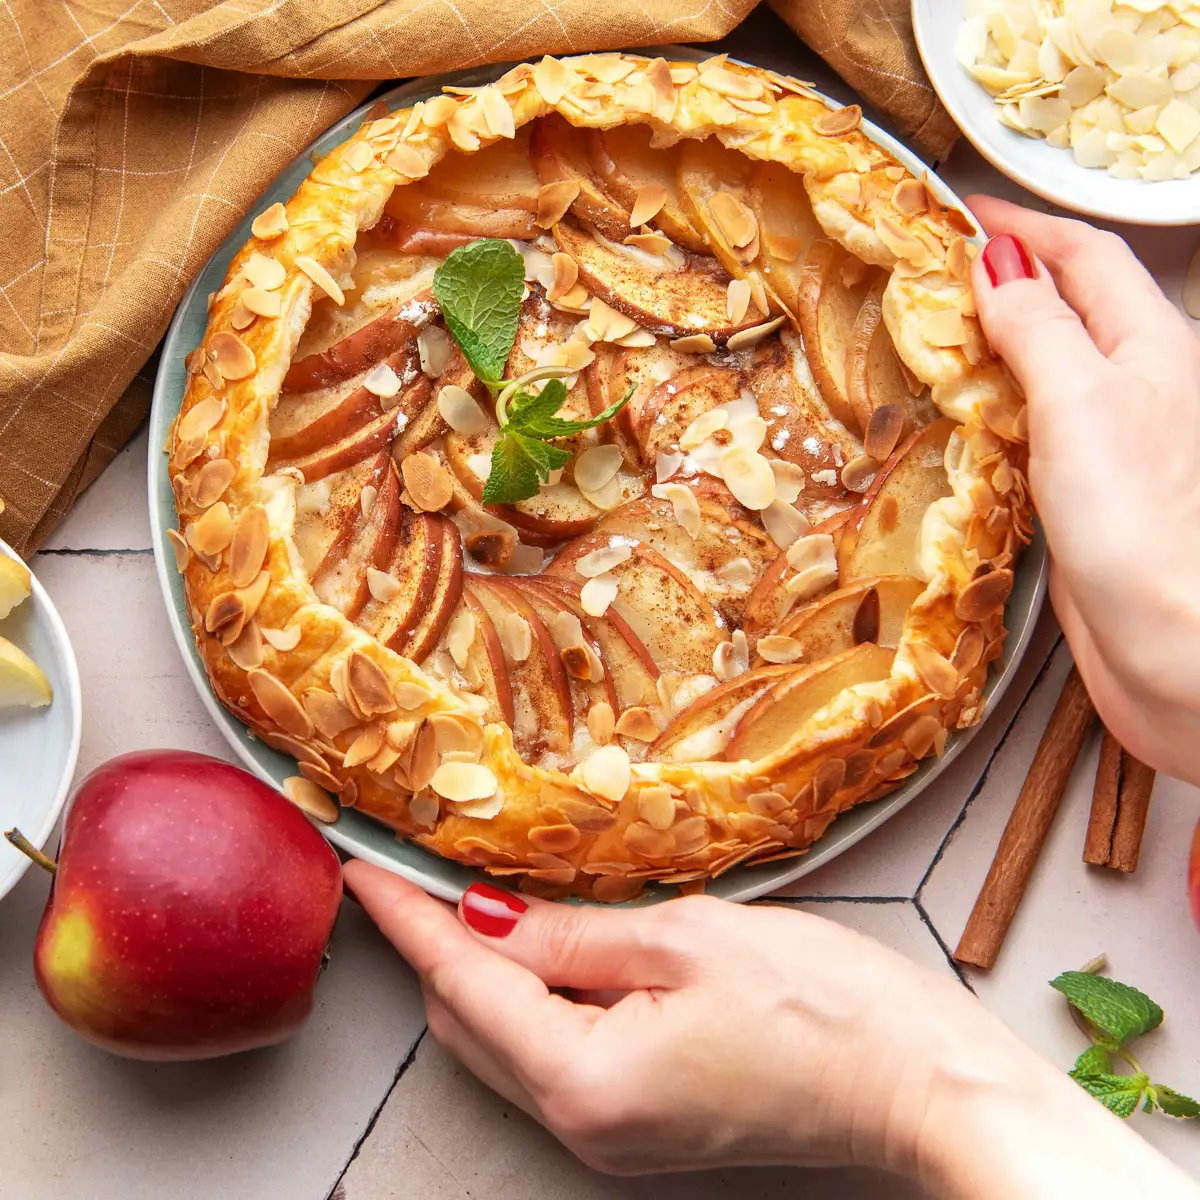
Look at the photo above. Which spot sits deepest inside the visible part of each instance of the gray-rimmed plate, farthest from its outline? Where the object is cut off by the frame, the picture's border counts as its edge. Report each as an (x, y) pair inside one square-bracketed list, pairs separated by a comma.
[(358, 834)]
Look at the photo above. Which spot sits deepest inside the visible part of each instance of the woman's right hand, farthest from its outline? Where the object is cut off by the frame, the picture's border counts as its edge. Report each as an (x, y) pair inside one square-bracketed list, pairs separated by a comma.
[(1111, 371)]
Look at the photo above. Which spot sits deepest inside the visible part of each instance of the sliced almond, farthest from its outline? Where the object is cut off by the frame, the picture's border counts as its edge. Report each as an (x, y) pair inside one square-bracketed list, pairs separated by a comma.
[(241, 317), (211, 481), (651, 243), (234, 359), (605, 324), (694, 343), (597, 562), (596, 466), (582, 662), (365, 746), (183, 553), (784, 523), (729, 83), (566, 274), (666, 464), (283, 639), (656, 806), (463, 782), (598, 593), (746, 338), (382, 381), (227, 610), (606, 773), (748, 475), (647, 203), (428, 482), (321, 278), (271, 223), (737, 300), (407, 161), (553, 201), (637, 723), (909, 197), (944, 328), (776, 648), (382, 586), (264, 272), (838, 121), (737, 223), (516, 637), (884, 427), (311, 799), (934, 668), (492, 547), (460, 411), (279, 704), (985, 596), (433, 348), (210, 533), (601, 722), (684, 505), (324, 709), (261, 302), (246, 649), (359, 156), (254, 593), (737, 572), (566, 629), (368, 685), (251, 539), (367, 498), (703, 427), (858, 473), (460, 636), (789, 480)]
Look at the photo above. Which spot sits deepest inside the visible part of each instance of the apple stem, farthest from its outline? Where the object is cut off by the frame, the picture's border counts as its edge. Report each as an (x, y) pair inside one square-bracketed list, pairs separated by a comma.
[(16, 838)]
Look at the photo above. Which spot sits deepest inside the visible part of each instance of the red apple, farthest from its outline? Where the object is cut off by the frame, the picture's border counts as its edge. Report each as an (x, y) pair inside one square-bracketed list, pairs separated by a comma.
[(190, 913)]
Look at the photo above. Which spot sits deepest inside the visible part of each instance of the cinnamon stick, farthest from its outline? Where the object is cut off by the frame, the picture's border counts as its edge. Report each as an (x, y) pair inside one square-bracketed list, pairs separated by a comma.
[(1026, 831), (1097, 846), (1120, 805)]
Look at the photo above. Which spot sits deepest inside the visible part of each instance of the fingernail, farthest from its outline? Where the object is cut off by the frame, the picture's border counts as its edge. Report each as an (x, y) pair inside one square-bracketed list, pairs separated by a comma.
[(1005, 259), (490, 911)]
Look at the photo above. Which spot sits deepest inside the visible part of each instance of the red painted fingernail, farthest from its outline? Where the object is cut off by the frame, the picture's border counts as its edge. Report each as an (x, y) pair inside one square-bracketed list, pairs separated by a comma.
[(1005, 259), (490, 911)]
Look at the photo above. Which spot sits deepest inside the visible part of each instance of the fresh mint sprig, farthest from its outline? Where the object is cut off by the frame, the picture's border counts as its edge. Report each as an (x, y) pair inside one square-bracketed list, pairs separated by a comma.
[(480, 288), (1113, 1015)]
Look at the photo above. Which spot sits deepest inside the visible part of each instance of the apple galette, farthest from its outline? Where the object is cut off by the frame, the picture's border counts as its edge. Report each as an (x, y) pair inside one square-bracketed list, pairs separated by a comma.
[(600, 476)]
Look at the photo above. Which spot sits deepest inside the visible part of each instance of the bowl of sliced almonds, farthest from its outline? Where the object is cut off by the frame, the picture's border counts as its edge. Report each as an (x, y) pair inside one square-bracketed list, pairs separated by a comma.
[(1092, 105)]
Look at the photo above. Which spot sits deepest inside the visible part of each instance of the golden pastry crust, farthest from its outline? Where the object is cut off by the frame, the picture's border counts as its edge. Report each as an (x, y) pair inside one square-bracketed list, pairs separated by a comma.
[(309, 681)]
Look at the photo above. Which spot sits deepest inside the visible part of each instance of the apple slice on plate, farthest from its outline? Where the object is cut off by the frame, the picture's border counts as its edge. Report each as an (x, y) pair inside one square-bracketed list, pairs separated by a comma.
[(325, 508), (616, 370), (703, 729), (336, 456), (365, 540), (428, 425), (871, 610), (676, 403), (626, 163), (883, 539), (412, 209), (787, 228), (687, 294), (415, 567), (428, 630), (500, 176), (777, 718), (559, 153), (712, 183), (485, 655)]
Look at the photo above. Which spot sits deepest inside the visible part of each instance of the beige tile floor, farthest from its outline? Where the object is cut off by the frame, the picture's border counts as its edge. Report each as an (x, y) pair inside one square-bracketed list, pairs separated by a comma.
[(362, 1103)]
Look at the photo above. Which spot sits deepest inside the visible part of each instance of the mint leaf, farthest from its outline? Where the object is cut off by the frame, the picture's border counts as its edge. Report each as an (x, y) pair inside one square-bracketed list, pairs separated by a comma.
[(1173, 1103), (545, 457), (480, 287), (518, 463), (1116, 1008), (536, 417), (527, 410), (1094, 1060), (1120, 1093)]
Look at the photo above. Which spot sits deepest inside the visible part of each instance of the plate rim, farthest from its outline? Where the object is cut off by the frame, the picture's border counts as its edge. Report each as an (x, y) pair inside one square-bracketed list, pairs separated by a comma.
[(740, 884), (937, 71), (41, 836)]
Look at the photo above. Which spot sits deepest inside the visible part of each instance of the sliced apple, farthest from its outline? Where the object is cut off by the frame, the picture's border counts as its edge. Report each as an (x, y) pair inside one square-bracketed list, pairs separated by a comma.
[(497, 177), (618, 369), (674, 300), (675, 404), (626, 163), (415, 565), (871, 610), (706, 171), (359, 351), (883, 539), (406, 238), (666, 610), (705, 722), (497, 683), (428, 425), (777, 718), (363, 442), (324, 508), (429, 629), (559, 152), (363, 542), (787, 228)]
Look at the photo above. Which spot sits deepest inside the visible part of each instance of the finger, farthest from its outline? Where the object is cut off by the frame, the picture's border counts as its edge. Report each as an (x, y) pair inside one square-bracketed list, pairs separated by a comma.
[(1096, 272), (505, 1007), (577, 946)]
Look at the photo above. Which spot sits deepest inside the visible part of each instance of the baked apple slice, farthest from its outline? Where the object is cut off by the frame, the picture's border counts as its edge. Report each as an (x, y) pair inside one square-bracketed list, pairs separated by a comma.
[(883, 538), (618, 369), (626, 164), (668, 410), (688, 294), (559, 153), (713, 183), (871, 610), (874, 376), (787, 228), (325, 508), (777, 718), (361, 443), (428, 424), (414, 568), (364, 542), (500, 176), (702, 730), (428, 631)]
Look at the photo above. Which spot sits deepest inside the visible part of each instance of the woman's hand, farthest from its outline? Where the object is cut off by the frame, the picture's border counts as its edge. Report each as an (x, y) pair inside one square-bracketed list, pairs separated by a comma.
[(701, 1033), (1111, 371)]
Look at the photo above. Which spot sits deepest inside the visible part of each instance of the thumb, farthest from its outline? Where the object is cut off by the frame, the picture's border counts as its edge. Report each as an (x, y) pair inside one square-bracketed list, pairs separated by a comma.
[(579, 946), (1027, 323)]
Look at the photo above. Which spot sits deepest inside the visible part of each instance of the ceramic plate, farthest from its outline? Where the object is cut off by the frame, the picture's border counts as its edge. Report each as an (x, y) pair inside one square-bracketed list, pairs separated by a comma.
[(357, 833), (1050, 173), (38, 746)]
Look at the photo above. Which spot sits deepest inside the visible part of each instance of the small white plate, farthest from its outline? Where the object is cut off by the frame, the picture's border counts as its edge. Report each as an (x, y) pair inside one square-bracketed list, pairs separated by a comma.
[(1050, 173), (38, 746)]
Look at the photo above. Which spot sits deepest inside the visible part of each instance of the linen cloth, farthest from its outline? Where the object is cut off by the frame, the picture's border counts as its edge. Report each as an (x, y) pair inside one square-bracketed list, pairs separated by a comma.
[(135, 133)]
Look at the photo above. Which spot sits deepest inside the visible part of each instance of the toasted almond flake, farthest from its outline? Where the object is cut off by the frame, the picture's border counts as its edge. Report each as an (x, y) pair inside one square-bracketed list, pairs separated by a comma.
[(212, 374), (460, 411), (656, 805), (283, 639), (433, 348), (382, 381), (637, 723), (516, 637), (1191, 287), (310, 799), (428, 482), (279, 704), (737, 223), (737, 572), (652, 243), (782, 246), (601, 723), (183, 553), (596, 466), (226, 609), (367, 498), (776, 648), (359, 156), (647, 203), (385, 125), (424, 809), (748, 476), (271, 223), (605, 324), (241, 317), (789, 480), (748, 430), (264, 272), (684, 505), (597, 562), (815, 549), (934, 668), (858, 473), (909, 197), (368, 685), (365, 746), (694, 343), (703, 427), (321, 278), (553, 201), (729, 83), (410, 695), (566, 273), (598, 593), (606, 773), (246, 650), (382, 586), (463, 782), (737, 300), (251, 539), (552, 79), (666, 464), (261, 303), (582, 662), (460, 635), (944, 328), (254, 592), (210, 533), (406, 160), (901, 243), (497, 115), (838, 121), (234, 359), (607, 497), (745, 338), (211, 481), (806, 584), (783, 523)]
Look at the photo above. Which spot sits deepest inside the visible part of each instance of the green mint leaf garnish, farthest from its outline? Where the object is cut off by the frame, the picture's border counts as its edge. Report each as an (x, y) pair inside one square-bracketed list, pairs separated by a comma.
[(480, 287), (538, 420), (1120, 1093), (519, 463), (1173, 1103), (1095, 1060), (1115, 1008)]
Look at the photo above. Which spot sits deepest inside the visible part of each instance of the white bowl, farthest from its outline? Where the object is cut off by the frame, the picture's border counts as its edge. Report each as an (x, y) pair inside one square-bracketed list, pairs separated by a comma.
[(1050, 173), (38, 746)]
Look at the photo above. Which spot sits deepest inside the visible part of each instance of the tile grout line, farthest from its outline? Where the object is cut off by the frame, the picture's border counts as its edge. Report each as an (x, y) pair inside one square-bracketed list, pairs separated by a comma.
[(983, 776), (793, 900), (937, 937), (73, 552), (409, 1058)]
